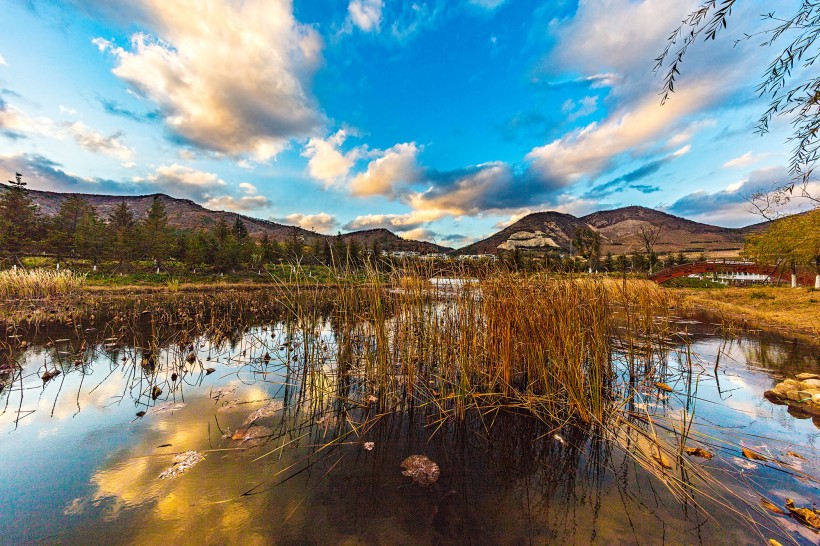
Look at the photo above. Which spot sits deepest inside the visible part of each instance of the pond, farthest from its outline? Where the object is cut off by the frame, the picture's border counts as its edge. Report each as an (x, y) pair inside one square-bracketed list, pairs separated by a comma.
[(289, 451)]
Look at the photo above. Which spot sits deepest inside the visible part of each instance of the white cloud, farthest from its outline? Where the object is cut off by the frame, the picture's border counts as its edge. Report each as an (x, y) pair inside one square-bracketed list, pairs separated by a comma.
[(744, 160), (67, 110), (580, 109), (487, 4), (393, 222), (17, 121), (325, 161), (589, 151), (395, 167), (248, 188), (244, 203), (232, 77), (365, 14), (3, 61), (321, 222), (180, 176)]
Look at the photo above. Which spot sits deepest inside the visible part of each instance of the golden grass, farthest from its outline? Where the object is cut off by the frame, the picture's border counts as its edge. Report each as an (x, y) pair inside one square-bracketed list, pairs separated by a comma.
[(38, 283), (793, 311)]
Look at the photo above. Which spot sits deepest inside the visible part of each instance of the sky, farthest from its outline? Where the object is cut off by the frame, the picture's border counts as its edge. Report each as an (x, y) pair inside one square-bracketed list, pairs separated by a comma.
[(441, 120)]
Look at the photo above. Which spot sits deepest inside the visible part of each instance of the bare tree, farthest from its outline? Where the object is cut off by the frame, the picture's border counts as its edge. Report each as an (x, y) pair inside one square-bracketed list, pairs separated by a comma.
[(648, 235)]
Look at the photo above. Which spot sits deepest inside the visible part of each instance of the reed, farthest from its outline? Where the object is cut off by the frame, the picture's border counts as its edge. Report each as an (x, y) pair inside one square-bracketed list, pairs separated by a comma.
[(38, 283)]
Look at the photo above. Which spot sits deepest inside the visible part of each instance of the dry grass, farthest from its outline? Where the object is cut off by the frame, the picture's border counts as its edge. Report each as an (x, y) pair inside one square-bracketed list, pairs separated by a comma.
[(38, 283), (793, 311)]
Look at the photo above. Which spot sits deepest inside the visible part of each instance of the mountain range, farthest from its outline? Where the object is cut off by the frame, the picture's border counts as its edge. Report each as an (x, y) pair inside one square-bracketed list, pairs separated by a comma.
[(540, 231)]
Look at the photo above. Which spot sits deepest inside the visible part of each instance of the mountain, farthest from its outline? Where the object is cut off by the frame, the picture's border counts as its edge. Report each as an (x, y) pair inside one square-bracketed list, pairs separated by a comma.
[(618, 228), (386, 239), (185, 214)]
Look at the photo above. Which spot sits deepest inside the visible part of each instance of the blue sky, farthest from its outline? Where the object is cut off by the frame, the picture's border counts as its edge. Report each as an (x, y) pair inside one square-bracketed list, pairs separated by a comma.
[(440, 120)]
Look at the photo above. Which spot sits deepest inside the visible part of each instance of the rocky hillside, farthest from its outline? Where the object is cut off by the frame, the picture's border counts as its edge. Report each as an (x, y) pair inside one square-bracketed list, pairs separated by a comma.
[(544, 231), (185, 214)]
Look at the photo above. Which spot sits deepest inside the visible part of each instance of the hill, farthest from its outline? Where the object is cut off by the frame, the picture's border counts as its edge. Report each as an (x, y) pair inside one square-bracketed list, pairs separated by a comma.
[(544, 231), (186, 215)]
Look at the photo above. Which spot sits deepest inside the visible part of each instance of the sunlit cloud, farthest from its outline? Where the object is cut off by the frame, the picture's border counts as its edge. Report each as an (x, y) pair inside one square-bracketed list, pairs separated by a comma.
[(228, 77), (395, 167), (321, 222), (365, 14)]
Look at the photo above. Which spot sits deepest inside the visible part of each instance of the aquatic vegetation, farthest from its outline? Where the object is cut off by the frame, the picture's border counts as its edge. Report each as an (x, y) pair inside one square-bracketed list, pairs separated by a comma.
[(38, 283)]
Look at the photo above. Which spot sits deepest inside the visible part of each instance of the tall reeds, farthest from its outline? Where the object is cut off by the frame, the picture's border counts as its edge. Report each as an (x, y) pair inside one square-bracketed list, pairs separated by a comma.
[(38, 283)]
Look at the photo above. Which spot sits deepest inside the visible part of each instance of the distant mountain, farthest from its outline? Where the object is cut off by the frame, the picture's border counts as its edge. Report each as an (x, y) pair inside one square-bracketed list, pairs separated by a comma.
[(185, 214), (386, 239), (619, 233)]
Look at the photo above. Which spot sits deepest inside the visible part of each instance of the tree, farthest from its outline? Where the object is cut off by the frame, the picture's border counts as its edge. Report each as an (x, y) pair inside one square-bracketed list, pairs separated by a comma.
[(63, 226), (791, 244), (89, 236), (790, 83), (587, 242), (122, 234), (648, 235), (18, 218), (155, 233)]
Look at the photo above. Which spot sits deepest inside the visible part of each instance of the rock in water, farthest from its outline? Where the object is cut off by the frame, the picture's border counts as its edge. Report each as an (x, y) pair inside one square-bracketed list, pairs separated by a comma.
[(421, 469)]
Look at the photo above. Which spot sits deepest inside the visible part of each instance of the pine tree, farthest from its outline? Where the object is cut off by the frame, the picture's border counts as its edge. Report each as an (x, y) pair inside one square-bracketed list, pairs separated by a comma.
[(155, 233), (18, 218), (121, 226), (63, 226)]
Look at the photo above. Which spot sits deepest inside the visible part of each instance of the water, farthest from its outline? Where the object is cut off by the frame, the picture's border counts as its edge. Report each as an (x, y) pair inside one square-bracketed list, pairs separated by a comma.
[(81, 467)]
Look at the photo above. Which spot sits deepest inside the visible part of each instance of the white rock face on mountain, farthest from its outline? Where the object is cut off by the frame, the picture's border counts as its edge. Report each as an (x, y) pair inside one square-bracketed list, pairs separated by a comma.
[(527, 239)]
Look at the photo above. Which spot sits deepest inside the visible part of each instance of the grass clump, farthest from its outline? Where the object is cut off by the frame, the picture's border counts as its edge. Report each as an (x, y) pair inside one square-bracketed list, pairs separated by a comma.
[(38, 283)]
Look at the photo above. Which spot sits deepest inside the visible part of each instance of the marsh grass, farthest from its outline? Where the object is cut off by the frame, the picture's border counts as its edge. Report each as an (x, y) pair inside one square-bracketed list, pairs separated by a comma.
[(580, 355), (38, 283)]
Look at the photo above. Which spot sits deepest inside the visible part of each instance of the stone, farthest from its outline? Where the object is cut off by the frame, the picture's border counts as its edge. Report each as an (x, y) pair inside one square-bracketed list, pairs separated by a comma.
[(792, 395), (803, 376), (815, 399), (810, 384)]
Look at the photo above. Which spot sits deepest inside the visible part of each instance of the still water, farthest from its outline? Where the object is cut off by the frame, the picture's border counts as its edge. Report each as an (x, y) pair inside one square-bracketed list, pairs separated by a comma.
[(83, 452)]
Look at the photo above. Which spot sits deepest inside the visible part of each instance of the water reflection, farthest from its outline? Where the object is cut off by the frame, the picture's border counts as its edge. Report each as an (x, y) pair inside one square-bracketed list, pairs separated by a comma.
[(86, 466)]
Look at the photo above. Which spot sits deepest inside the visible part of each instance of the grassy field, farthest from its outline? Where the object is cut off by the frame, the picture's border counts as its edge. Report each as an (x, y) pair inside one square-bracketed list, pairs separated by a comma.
[(791, 311)]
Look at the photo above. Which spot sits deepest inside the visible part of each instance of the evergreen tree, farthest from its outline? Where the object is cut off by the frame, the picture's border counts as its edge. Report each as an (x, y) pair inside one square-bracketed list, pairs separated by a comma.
[(63, 226), (89, 236), (155, 233), (18, 218), (121, 226)]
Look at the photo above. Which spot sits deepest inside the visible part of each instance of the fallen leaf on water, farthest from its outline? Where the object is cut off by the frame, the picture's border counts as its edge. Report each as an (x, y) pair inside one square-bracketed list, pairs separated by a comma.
[(164, 445), (49, 375), (771, 507), (168, 406), (155, 392), (181, 463), (421, 469), (209, 371), (662, 459), (804, 515), (795, 455), (698, 452), (773, 542), (369, 446), (753, 455), (252, 436), (267, 410), (663, 387), (140, 413)]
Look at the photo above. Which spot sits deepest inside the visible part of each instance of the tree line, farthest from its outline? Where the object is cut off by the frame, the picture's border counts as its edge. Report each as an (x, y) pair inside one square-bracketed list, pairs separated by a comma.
[(77, 231)]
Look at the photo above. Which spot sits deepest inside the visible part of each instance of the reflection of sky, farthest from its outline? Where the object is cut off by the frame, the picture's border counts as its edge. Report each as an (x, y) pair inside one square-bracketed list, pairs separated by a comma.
[(79, 470)]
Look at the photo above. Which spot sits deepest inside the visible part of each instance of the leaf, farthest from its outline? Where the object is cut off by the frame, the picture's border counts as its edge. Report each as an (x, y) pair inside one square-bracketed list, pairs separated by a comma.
[(753, 455), (421, 469), (795, 455), (699, 452), (773, 542), (662, 460), (155, 392), (804, 515), (369, 446), (140, 413), (663, 387), (181, 463), (771, 507), (49, 375), (209, 371)]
